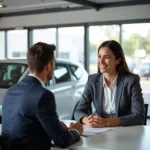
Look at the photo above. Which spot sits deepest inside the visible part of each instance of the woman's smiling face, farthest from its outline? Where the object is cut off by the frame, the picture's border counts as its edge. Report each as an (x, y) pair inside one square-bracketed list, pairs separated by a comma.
[(107, 61)]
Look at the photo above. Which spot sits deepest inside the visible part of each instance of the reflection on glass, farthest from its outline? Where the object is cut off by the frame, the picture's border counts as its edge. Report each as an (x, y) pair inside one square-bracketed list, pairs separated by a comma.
[(44, 35), (97, 35), (2, 44), (136, 45), (71, 43), (17, 43)]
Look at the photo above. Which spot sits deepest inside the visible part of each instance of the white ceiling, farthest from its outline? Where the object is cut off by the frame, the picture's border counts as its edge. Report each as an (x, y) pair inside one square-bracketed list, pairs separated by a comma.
[(34, 3), (20, 3), (28, 6), (16, 3), (16, 6), (108, 1)]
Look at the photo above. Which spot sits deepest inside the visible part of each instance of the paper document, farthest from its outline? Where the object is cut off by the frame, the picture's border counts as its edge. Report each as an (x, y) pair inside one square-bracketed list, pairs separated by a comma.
[(91, 131), (87, 131)]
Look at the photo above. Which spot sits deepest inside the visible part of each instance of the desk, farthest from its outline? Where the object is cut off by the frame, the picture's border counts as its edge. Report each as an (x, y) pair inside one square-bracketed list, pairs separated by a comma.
[(123, 138)]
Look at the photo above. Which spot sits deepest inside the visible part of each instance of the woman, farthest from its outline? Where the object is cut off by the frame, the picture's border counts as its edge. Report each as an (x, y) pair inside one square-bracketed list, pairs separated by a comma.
[(114, 92)]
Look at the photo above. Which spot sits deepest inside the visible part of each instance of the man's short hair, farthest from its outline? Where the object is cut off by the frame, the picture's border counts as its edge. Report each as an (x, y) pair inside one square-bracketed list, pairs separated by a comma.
[(39, 55)]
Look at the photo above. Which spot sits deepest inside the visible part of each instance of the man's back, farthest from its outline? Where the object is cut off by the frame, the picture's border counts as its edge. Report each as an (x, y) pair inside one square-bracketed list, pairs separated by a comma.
[(29, 118)]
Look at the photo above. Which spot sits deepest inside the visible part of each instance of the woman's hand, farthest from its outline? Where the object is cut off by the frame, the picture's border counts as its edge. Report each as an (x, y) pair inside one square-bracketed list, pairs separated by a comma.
[(96, 121), (86, 120)]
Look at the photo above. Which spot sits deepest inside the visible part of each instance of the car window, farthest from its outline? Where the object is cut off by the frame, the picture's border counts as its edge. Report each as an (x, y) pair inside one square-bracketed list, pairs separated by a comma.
[(49, 82), (61, 73), (10, 74), (73, 68), (76, 71)]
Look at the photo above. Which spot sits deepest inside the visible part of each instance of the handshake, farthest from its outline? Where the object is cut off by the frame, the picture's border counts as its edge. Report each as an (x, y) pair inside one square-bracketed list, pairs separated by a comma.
[(74, 126)]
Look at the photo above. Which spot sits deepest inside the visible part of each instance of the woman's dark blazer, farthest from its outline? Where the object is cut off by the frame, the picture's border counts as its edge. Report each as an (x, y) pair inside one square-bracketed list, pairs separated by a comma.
[(129, 101)]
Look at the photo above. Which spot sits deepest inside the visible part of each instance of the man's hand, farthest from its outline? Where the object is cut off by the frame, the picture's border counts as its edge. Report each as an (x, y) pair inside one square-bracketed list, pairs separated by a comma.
[(77, 126), (64, 125)]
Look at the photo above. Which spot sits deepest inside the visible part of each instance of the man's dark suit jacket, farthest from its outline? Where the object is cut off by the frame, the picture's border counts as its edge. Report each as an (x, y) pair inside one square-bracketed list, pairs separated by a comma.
[(129, 101), (29, 118)]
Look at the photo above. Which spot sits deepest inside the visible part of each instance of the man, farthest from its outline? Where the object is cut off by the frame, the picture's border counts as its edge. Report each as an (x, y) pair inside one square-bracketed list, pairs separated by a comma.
[(29, 118)]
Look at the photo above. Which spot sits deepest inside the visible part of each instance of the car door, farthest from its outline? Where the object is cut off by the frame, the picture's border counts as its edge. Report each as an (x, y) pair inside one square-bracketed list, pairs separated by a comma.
[(63, 90)]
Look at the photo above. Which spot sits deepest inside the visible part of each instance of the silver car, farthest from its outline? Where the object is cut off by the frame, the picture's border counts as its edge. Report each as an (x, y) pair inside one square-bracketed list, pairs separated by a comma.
[(67, 84)]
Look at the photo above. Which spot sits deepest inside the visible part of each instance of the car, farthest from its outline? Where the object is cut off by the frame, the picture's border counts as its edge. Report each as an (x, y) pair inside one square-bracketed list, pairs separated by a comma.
[(67, 84), (143, 70)]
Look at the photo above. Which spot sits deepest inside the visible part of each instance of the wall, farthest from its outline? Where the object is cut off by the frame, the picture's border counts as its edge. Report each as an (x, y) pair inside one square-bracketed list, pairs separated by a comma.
[(82, 16)]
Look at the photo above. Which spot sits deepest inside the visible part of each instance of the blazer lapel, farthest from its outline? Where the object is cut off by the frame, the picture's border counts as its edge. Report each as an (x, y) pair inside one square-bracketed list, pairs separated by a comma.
[(119, 90), (99, 94)]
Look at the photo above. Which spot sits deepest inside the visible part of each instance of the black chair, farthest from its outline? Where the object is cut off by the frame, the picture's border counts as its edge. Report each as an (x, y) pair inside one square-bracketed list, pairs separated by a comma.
[(146, 109), (72, 116), (0, 142)]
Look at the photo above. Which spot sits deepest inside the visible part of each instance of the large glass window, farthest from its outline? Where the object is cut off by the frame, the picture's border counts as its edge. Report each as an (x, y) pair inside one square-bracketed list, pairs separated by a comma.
[(17, 43), (97, 35), (71, 43), (2, 44), (44, 35), (136, 45)]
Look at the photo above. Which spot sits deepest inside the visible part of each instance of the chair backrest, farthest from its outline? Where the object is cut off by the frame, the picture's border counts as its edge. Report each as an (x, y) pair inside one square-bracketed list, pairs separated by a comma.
[(0, 142), (146, 110), (72, 116)]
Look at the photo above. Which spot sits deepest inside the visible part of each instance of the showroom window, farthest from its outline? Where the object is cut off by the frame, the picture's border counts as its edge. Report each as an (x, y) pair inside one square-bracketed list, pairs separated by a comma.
[(136, 45), (17, 43), (44, 35), (2, 44), (71, 43)]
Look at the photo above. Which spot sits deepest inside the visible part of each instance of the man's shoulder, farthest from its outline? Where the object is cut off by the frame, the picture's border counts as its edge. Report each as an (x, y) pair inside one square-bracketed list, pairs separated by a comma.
[(47, 92), (40, 91), (32, 88)]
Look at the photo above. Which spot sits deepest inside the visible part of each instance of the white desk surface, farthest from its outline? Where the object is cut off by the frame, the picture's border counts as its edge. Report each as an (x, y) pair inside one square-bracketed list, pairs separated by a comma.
[(123, 138)]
